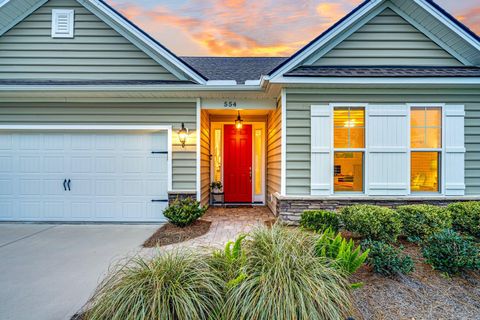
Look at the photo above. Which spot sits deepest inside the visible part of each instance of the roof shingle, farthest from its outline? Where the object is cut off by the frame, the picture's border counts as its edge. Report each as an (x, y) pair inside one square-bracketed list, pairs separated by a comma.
[(238, 68), (379, 71)]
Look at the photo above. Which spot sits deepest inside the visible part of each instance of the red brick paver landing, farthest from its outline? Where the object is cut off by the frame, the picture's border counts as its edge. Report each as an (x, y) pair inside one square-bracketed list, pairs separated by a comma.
[(227, 224)]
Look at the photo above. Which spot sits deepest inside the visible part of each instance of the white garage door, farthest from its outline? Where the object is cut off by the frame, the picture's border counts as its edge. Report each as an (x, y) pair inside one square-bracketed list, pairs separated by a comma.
[(75, 176)]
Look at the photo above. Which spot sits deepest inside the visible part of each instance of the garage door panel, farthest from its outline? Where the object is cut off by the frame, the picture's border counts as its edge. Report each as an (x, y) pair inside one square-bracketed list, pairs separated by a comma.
[(6, 187), (55, 210), (81, 164), (106, 209), (54, 164), (106, 187), (106, 164), (114, 176), (30, 164), (6, 141)]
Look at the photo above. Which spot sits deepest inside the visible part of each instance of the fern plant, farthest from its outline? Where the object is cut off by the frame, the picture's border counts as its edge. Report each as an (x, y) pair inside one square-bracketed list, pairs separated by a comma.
[(346, 256), (230, 262)]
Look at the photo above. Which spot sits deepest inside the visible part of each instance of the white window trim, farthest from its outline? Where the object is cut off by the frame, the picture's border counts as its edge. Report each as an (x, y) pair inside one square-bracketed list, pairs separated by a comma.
[(442, 172), (333, 149), (152, 128), (71, 14)]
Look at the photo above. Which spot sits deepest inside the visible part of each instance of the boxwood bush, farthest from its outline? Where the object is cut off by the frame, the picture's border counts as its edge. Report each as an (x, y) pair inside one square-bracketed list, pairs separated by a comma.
[(372, 222), (184, 212), (320, 220), (449, 252), (421, 221), (386, 259), (466, 217)]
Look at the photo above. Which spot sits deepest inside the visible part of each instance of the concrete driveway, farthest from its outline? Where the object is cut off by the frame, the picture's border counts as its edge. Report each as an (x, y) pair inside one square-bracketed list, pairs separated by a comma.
[(50, 271)]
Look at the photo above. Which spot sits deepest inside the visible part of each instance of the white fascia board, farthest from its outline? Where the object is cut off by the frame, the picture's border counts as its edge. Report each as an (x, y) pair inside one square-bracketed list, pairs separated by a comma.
[(22, 16), (252, 82), (326, 38), (221, 83), (173, 60), (441, 17), (346, 80), (166, 88)]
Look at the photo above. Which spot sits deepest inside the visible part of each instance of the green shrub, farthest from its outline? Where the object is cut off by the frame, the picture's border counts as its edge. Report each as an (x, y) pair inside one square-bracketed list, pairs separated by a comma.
[(466, 217), (421, 221), (386, 259), (184, 212), (286, 280), (320, 220), (346, 256), (372, 222), (173, 285), (449, 252)]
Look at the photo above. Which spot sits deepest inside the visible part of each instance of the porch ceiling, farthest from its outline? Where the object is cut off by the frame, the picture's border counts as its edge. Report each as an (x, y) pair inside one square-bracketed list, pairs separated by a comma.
[(244, 112)]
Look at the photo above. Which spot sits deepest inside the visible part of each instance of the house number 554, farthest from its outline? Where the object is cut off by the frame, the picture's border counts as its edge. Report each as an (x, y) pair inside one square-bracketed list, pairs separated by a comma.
[(230, 104)]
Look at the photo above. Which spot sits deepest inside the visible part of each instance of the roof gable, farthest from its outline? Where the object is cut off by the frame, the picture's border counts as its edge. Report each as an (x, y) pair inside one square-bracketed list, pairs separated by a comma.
[(455, 46), (106, 46), (387, 39)]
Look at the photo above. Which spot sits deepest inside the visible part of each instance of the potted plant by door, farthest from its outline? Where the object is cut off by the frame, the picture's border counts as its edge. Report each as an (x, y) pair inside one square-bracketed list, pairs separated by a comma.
[(216, 186), (217, 194)]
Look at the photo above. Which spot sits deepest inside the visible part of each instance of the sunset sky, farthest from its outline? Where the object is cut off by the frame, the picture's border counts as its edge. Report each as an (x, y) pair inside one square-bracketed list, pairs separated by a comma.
[(251, 27)]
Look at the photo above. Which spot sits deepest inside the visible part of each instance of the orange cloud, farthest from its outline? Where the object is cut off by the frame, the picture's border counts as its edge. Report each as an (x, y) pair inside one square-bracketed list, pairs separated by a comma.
[(471, 19), (331, 11)]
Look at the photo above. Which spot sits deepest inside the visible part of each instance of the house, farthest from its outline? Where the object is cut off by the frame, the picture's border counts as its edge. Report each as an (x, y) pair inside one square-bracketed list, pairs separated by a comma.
[(100, 122)]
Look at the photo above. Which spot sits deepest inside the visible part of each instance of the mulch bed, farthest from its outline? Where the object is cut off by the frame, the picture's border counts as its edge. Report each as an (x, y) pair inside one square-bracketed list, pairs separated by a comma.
[(170, 234), (423, 294)]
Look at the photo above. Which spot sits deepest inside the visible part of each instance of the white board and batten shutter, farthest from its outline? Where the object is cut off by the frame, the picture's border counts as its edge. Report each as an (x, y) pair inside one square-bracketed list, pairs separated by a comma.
[(454, 140), (387, 141), (321, 150), (62, 23)]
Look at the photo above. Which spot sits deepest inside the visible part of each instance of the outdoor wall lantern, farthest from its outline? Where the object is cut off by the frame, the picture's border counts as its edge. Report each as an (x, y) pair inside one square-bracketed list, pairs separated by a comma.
[(183, 135), (239, 122)]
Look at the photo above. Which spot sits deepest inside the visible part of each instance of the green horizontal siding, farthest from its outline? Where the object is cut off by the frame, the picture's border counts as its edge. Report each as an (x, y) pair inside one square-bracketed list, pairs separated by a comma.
[(388, 39), (28, 51), (171, 113), (298, 125)]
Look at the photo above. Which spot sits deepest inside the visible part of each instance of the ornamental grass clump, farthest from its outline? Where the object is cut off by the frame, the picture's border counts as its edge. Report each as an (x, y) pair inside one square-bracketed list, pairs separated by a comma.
[(285, 280), (372, 222), (171, 286), (421, 221)]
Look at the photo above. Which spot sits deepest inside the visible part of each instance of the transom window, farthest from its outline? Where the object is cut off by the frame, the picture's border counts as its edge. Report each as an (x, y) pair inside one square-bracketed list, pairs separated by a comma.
[(349, 144), (426, 144)]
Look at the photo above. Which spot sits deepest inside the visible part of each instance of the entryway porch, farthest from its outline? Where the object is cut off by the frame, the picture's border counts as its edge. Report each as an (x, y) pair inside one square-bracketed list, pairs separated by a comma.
[(240, 156)]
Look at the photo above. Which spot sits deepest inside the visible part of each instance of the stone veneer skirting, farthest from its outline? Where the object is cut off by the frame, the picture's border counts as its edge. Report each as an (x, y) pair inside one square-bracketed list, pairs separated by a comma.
[(290, 208), (174, 195)]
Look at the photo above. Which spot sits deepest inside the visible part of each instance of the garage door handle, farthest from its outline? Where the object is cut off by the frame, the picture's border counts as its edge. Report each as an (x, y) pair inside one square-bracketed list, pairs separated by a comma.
[(68, 184), (64, 186)]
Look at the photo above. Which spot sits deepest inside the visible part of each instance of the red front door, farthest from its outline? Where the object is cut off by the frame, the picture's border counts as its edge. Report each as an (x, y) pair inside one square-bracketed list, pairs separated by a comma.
[(237, 169)]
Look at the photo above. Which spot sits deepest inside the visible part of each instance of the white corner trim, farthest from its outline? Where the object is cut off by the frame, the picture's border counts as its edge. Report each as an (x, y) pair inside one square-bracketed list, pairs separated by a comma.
[(198, 149), (221, 83), (283, 160)]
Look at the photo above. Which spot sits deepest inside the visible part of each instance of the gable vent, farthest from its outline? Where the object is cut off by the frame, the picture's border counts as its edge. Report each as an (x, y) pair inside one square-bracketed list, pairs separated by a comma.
[(62, 23)]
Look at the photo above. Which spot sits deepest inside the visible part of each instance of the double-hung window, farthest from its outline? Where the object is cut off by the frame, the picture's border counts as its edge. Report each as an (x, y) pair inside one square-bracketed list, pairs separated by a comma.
[(349, 149), (426, 149)]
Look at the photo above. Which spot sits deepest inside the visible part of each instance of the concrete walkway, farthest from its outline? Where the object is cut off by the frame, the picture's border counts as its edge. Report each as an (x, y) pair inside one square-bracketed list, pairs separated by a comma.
[(50, 271), (227, 224)]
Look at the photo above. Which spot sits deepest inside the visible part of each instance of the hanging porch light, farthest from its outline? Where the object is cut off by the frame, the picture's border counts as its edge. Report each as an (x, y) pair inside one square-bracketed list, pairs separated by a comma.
[(183, 135), (239, 122)]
